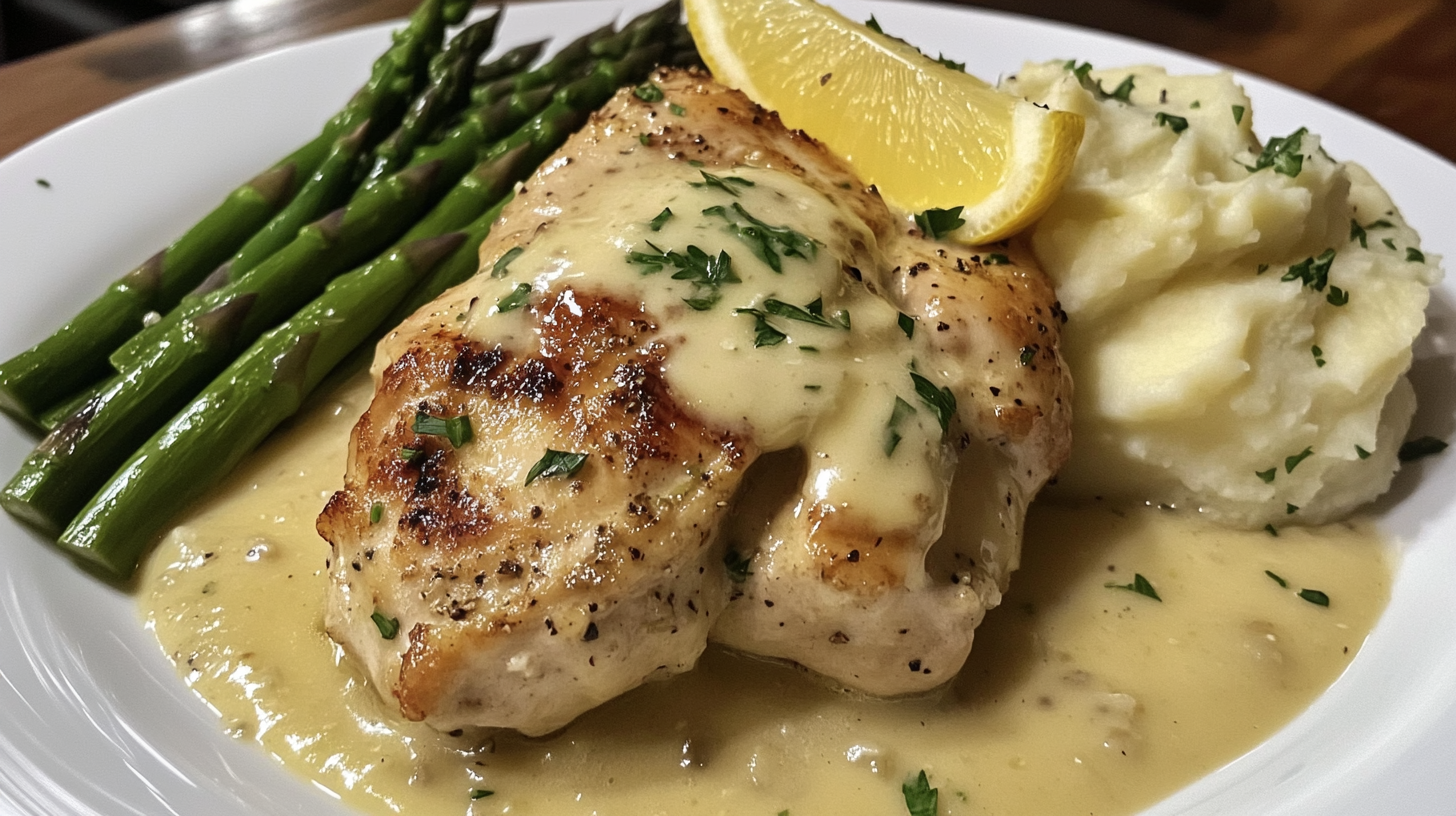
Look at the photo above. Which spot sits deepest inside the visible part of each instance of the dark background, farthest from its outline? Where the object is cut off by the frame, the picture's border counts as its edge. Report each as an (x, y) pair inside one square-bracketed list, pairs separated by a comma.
[(29, 27)]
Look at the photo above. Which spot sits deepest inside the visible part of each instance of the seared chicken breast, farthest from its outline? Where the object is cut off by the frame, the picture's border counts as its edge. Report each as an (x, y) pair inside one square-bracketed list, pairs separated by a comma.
[(686, 286)]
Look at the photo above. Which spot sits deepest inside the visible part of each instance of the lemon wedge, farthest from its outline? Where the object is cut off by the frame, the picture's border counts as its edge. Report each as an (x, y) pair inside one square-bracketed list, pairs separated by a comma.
[(928, 136)]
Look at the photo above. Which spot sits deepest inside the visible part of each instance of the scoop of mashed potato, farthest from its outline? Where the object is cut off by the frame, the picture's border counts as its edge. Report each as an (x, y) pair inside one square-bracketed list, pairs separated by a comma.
[(1240, 315)]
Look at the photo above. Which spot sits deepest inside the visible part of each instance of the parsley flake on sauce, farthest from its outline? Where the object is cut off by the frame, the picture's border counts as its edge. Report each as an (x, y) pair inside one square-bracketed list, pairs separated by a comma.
[(1420, 448), (920, 798), (767, 241), (898, 414), (737, 565), (1315, 597), (1140, 585), (376, 512), (907, 325), (935, 222), (498, 269), (515, 300), (661, 218), (1414, 255), (940, 400), (1276, 579), (764, 333), (1271, 530), (813, 313), (677, 110), (1238, 114), (724, 183), (481, 793), (456, 429), (1282, 154), (555, 463), (1337, 296), (995, 259), (648, 92), (1361, 452), (707, 272), (388, 627), (1357, 233), (1267, 475)]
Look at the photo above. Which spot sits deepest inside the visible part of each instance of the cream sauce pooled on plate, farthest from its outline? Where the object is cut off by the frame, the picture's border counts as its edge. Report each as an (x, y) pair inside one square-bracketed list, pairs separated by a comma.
[(1078, 697)]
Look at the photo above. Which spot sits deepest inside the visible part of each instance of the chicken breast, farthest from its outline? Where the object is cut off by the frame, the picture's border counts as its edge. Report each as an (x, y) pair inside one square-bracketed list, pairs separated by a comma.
[(686, 286)]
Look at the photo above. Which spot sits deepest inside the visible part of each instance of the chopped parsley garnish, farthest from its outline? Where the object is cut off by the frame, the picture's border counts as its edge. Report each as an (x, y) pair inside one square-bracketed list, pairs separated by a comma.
[(1420, 448), (1028, 353), (1177, 124), (1261, 269), (1361, 452), (766, 240), (481, 793), (1290, 509), (724, 183), (677, 110), (661, 218), (411, 456), (456, 429), (1319, 355), (1381, 224), (935, 223), (1139, 584), (644, 138), (515, 300), (388, 627), (1389, 242), (995, 259), (376, 512), (874, 25), (764, 334), (557, 463), (1315, 597), (737, 566), (707, 272), (1277, 579), (47, 185), (951, 64), (1196, 104), (920, 798), (941, 401), (1271, 530), (812, 387), (1290, 462), (812, 313), (907, 325), (1267, 475), (898, 414), (1238, 114), (1357, 233), (1415, 255), (1123, 92), (1312, 272), (648, 92), (1282, 154), (498, 269), (1337, 296)]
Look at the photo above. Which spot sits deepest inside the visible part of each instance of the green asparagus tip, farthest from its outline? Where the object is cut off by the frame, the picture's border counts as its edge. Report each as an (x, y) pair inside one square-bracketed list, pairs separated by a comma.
[(331, 225), (148, 276), (224, 320), (291, 367), (421, 176), (276, 184), (423, 255), (215, 280)]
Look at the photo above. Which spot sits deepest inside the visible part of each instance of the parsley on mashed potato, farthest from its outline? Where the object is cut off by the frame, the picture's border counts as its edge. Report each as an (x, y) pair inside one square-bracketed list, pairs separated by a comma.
[(1240, 314)]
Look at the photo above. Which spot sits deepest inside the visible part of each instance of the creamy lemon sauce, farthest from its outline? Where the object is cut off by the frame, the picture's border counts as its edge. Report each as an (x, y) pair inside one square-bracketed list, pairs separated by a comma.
[(1078, 698)]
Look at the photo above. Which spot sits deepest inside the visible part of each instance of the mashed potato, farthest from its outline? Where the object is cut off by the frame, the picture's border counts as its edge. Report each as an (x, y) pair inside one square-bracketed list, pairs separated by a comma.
[(1239, 337)]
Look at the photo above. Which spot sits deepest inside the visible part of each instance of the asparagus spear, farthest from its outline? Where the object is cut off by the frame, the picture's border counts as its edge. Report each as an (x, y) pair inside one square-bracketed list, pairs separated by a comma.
[(74, 356), (561, 65), (451, 74), (68, 466), (261, 389), (511, 62)]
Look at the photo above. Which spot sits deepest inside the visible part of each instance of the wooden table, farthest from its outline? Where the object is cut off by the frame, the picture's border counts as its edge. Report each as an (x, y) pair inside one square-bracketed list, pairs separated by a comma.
[(1393, 61)]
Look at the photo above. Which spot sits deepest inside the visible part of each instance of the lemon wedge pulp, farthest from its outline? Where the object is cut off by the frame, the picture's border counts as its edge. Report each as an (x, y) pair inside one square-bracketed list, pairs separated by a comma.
[(927, 136)]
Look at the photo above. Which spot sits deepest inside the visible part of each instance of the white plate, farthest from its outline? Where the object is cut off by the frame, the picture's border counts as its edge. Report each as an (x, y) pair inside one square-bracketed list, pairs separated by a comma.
[(92, 718)]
